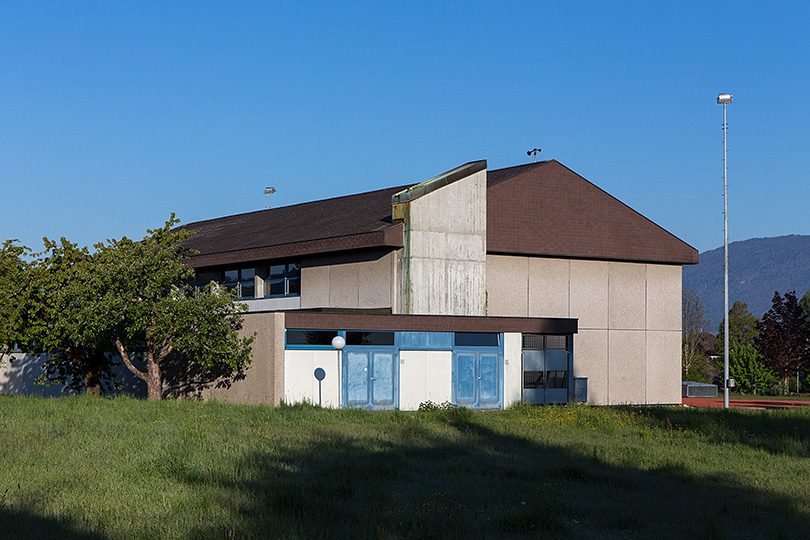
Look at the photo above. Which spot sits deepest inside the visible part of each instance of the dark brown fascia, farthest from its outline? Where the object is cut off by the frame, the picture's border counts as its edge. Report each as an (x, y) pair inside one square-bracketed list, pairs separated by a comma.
[(428, 323), (390, 237)]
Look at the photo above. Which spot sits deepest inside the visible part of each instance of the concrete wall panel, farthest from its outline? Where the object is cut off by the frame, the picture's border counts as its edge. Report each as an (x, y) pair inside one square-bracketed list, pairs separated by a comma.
[(264, 377), (344, 285), (591, 361), (627, 296), (507, 286), (549, 287), (663, 297), (589, 293), (315, 287), (627, 369), (343, 282), (619, 307), (445, 263), (375, 282), (664, 366)]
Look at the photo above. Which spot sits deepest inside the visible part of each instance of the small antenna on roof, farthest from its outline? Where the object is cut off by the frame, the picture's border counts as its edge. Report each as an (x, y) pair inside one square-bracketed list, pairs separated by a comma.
[(534, 151), (268, 191)]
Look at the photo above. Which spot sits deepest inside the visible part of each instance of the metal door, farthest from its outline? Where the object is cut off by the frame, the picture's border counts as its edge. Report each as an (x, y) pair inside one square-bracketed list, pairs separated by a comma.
[(477, 379), (369, 378)]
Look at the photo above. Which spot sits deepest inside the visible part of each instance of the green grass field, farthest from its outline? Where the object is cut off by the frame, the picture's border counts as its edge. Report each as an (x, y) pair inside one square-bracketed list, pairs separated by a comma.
[(81, 468)]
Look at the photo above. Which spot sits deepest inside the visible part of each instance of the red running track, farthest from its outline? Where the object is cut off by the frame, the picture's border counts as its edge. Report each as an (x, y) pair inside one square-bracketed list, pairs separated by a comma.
[(743, 403)]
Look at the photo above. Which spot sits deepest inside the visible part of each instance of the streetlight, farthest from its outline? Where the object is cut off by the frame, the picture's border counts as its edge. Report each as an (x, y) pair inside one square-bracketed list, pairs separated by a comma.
[(268, 191), (725, 99)]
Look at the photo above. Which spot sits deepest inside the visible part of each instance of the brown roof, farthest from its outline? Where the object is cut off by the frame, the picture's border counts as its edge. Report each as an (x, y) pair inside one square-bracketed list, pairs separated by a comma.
[(546, 209), (540, 209), (339, 224)]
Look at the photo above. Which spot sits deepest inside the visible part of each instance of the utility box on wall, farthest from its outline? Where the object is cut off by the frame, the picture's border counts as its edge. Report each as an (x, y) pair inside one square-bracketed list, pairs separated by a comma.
[(581, 389)]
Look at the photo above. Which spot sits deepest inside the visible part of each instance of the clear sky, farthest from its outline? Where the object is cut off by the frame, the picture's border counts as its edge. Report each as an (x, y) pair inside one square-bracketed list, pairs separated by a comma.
[(115, 114)]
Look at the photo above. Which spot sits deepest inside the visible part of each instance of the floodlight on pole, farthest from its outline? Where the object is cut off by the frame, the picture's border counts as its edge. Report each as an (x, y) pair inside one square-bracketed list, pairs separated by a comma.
[(268, 191), (725, 99)]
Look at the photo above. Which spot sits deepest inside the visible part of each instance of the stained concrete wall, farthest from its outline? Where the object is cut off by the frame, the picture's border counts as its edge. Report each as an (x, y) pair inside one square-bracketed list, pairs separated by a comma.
[(628, 343), (358, 280), (444, 263)]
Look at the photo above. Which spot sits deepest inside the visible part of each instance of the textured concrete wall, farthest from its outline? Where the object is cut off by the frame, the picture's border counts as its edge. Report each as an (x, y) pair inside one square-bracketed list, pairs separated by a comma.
[(629, 315), (360, 280), (444, 268), (264, 377)]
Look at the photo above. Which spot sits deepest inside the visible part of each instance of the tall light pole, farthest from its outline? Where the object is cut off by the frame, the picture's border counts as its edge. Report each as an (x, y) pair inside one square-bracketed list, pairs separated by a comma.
[(725, 99)]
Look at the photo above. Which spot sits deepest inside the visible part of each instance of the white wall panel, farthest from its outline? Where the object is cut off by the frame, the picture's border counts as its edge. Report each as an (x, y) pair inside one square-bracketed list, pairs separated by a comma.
[(300, 383), (423, 376), (512, 369)]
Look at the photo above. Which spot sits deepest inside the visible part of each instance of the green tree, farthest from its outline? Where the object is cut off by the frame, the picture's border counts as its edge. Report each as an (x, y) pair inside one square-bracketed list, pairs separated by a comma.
[(123, 298), (13, 274), (55, 320), (142, 299), (804, 303), (784, 336), (694, 364), (742, 329), (746, 367)]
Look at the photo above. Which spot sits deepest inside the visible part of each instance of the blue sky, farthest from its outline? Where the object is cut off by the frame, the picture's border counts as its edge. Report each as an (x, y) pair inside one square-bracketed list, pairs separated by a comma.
[(115, 114)]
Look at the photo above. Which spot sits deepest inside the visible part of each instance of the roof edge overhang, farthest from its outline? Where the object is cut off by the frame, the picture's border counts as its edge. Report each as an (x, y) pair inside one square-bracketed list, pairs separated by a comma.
[(679, 262), (390, 237), (423, 188), (429, 323)]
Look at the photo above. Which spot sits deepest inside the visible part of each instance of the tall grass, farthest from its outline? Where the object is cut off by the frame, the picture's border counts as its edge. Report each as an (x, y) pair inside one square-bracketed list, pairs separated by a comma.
[(83, 468)]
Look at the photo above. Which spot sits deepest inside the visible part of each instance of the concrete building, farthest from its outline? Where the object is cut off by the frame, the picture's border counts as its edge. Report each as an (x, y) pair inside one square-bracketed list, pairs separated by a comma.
[(482, 288)]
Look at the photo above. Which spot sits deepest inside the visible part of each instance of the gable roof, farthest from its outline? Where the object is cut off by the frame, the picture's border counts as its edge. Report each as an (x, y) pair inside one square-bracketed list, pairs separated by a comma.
[(536, 209), (547, 209)]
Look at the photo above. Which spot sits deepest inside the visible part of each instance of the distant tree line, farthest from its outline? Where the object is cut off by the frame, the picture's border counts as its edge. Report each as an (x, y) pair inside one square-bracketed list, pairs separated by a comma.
[(123, 300), (765, 355)]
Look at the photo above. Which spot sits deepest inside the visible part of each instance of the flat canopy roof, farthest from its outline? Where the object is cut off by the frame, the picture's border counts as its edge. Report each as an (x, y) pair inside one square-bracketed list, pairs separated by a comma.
[(428, 323)]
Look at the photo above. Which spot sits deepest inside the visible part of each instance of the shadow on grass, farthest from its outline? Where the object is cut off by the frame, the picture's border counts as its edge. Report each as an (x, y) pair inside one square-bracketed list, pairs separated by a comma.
[(25, 525), (462, 480), (784, 432)]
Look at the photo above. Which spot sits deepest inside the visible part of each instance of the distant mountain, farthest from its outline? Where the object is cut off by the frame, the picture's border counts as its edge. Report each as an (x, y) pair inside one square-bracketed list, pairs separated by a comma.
[(756, 269)]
